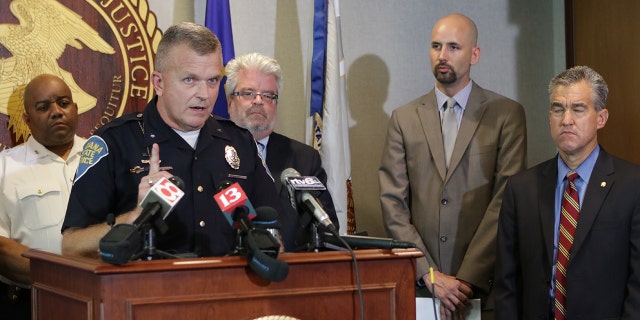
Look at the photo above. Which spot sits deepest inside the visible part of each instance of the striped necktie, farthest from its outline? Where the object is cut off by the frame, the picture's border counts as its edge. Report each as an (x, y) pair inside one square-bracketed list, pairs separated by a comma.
[(568, 224), (261, 149)]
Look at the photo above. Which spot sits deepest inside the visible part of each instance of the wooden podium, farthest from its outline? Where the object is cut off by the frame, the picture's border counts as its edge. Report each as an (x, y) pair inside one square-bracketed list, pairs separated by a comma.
[(320, 285)]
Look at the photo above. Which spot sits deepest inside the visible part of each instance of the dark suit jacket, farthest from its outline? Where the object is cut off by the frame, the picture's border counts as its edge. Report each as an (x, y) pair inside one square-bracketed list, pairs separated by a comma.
[(283, 153), (603, 276)]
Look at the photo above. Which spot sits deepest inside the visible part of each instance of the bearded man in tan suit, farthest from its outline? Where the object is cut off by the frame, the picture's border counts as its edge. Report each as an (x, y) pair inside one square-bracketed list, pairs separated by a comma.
[(448, 202)]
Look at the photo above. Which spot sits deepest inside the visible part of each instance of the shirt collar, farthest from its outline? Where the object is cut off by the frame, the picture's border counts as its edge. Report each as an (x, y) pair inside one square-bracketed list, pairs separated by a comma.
[(584, 170), (35, 150), (264, 140), (461, 97)]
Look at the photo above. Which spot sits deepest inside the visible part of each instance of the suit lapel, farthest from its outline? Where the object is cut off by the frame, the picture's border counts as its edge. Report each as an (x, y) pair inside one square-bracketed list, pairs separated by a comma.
[(470, 119), (546, 205), (600, 182), (429, 116)]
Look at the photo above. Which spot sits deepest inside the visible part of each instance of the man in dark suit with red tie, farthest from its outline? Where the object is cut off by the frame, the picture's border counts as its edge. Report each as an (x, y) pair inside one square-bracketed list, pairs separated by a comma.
[(253, 83), (550, 264)]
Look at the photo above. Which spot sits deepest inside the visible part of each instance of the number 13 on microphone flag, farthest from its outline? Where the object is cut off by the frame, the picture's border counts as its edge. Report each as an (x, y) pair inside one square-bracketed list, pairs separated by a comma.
[(328, 108), (218, 20)]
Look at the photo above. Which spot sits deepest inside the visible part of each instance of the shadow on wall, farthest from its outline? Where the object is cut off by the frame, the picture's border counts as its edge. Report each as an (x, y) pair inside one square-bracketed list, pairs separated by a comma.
[(533, 70), (293, 108), (367, 90)]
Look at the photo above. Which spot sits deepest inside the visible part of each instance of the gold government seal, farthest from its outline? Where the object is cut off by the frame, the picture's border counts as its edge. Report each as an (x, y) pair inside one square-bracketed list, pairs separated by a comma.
[(103, 49)]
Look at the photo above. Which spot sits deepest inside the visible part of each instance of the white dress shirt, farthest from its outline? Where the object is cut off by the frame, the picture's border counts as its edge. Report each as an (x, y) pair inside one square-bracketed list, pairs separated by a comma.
[(34, 190)]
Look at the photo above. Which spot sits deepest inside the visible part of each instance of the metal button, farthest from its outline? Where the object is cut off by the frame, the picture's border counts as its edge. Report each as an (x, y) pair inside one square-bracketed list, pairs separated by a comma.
[(200, 189), (444, 201), (202, 224), (443, 238)]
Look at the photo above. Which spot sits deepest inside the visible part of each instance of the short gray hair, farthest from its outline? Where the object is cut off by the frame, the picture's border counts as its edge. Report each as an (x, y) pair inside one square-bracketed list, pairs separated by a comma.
[(251, 61), (197, 37), (583, 73)]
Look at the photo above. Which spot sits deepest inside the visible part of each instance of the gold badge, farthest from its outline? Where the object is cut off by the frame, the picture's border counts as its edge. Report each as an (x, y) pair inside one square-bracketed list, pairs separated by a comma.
[(231, 155)]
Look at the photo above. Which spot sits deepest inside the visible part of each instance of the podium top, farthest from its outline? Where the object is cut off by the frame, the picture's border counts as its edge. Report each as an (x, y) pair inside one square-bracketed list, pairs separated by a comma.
[(96, 266)]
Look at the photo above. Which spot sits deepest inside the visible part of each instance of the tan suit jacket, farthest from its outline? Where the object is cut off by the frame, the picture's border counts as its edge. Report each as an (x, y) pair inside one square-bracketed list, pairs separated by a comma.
[(451, 214)]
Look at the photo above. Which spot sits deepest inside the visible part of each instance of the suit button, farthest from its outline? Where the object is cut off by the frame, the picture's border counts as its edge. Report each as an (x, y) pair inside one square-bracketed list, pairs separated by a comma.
[(200, 189), (202, 224), (443, 238), (444, 201)]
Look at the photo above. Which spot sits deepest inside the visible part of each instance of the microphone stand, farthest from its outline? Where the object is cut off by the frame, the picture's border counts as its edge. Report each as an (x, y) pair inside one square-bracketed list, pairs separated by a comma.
[(240, 249), (149, 252), (317, 243)]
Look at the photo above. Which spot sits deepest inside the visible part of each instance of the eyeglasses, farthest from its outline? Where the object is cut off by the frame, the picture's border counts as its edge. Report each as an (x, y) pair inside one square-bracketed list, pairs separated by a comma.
[(250, 95)]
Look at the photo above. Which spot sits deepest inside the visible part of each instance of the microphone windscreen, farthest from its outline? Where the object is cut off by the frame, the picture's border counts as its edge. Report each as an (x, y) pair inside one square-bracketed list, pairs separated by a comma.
[(231, 196), (288, 172), (263, 257), (120, 244), (266, 217)]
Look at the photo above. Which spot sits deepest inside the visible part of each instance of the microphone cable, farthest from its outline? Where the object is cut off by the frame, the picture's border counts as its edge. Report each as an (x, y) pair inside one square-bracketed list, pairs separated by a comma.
[(355, 264)]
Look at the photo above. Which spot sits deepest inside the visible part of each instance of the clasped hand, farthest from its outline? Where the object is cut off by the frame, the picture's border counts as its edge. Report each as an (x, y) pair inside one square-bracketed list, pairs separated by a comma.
[(454, 295)]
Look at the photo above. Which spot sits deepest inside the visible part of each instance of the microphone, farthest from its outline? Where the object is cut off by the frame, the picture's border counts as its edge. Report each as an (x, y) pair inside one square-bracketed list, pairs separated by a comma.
[(261, 247), (231, 196), (123, 241), (267, 219), (160, 199), (260, 261), (302, 184), (289, 172), (369, 242)]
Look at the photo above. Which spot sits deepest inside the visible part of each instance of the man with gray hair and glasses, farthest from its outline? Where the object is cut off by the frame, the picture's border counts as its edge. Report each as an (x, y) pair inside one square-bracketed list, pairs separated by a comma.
[(253, 83)]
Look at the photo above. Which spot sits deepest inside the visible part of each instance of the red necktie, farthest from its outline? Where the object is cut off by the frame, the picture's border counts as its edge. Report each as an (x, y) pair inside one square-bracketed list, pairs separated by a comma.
[(568, 224)]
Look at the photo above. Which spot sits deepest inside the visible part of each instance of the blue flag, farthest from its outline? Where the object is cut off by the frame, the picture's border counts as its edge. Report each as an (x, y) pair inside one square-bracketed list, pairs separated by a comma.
[(218, 20), (318, 57), (329, 110)]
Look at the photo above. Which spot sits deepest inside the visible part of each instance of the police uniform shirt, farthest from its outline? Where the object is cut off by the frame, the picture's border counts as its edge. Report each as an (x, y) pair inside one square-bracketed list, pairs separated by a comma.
[(34, 190), (116, 158)]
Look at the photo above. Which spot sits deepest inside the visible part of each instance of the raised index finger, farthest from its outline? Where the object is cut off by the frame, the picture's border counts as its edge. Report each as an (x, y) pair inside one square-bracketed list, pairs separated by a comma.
[(154, 161)]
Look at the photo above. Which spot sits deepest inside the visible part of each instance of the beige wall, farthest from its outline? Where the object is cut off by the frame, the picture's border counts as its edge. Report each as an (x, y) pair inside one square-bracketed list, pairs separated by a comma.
[(386, 55)]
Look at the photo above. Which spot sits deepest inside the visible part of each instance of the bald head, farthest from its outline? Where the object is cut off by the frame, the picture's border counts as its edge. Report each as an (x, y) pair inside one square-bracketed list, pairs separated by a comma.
[(50, 113), (453, 51), (36, 84), (461, 23)]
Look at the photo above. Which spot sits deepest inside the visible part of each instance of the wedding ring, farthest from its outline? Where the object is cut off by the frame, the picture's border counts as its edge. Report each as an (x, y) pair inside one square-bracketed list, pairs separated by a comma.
[(150, 181)]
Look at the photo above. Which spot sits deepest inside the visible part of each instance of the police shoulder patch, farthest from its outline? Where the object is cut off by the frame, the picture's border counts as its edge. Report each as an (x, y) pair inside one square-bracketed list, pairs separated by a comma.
[(94, 149)]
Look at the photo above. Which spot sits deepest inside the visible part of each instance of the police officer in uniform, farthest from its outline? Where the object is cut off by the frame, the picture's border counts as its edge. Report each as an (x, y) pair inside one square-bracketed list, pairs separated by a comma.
[(35, 181), (174, 135)]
